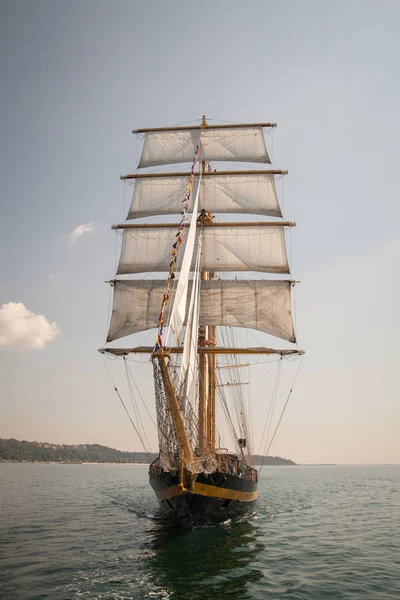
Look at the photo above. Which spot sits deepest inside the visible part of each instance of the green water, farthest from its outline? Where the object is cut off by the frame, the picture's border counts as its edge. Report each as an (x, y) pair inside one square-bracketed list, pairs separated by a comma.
[(70, 532)]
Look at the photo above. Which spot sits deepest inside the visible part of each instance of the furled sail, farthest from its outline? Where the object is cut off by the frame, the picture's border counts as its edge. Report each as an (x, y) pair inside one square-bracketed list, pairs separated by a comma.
[(233, 248), (262, 305), (227, 144), (187, 373), (180, 300), (242, 193)]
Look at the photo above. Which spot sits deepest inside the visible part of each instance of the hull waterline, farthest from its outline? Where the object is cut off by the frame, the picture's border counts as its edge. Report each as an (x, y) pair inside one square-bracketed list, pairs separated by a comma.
[(212, 498)]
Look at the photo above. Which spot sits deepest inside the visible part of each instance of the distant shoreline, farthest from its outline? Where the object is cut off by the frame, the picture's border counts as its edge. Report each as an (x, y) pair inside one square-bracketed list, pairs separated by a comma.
[(140, 464), (65, 462), (143, 464), (44, 452), (17, 451)]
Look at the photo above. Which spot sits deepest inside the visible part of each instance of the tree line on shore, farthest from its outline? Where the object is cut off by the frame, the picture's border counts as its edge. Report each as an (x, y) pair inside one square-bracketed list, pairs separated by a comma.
[(23, 451)]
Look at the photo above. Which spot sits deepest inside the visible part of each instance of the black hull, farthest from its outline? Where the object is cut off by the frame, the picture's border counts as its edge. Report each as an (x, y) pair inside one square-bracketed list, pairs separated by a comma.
[(215, 497)]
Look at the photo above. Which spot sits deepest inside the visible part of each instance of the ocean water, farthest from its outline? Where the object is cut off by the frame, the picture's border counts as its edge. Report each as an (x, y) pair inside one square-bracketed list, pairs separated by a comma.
[(70, 532)]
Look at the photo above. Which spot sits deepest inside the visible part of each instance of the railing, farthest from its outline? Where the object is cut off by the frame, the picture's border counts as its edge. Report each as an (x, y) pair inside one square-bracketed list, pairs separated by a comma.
[(227, 463), (234, 465)]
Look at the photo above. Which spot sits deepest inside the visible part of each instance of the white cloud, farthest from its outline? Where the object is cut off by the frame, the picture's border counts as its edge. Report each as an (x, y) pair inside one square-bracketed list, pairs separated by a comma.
[(80, 230), (21, 329)]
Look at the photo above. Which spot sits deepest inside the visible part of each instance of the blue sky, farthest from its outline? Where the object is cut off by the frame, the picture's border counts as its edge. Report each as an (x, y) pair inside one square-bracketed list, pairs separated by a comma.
[(77, 77)]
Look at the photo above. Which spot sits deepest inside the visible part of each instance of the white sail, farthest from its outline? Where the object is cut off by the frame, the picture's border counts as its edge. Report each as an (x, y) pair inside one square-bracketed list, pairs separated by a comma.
[(234, 248), (226, 144), (179, 305), (187, 373), (244, 193), (262, 305)]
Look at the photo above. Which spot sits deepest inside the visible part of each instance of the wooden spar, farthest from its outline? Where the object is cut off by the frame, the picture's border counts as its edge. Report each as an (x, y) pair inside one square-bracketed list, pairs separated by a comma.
[(114, 281), (201, 350), (205, 224), (174, 408), (207, 174), (192, 127)]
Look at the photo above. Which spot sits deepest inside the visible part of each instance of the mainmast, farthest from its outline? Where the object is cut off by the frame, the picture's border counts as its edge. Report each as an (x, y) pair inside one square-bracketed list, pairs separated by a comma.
[(206, 363), (211, 414)]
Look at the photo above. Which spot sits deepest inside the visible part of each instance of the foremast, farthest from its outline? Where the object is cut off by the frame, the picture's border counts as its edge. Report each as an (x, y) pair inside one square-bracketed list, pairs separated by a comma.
[(206, 377)]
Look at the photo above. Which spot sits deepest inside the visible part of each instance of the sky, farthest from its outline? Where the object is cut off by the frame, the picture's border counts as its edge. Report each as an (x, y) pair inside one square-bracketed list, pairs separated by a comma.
[(77, 77)]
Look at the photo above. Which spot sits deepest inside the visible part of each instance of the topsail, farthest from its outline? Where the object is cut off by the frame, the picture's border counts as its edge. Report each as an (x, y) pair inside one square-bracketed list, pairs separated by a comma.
[(251, 193), (170, 147), (234, 247)]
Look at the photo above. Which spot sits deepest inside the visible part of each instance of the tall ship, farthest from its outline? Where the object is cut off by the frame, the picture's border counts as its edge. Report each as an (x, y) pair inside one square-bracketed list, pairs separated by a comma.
[(196, 252)]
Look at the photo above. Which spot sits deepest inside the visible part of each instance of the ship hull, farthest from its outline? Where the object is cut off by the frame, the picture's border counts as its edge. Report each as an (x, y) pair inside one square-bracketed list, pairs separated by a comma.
[(215, 497)]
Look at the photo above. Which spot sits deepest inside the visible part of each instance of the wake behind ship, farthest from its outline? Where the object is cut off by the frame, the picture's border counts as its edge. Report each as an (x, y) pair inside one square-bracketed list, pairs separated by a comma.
[(198, 311)]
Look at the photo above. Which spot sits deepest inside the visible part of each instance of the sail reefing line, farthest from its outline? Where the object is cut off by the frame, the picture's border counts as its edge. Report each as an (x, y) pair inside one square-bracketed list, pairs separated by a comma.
[(175, 245)]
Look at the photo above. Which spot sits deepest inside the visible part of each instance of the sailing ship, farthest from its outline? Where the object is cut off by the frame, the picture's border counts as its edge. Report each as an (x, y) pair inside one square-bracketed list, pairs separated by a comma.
[(196, 300)]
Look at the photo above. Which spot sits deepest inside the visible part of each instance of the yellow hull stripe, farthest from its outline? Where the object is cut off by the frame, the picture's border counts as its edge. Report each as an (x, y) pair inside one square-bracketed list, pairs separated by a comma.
[(211, 491)]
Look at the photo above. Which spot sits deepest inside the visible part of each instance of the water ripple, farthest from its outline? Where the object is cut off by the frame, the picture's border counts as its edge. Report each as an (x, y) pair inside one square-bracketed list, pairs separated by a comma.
[(93, 532)]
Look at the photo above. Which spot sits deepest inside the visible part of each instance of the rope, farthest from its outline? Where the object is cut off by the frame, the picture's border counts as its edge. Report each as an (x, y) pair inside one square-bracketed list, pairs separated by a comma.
[(274, 402), (272, 146), (284, 408), (271, 408), (141, 397), (123, 404), (136, 411), (266, 385), (108, 311), (124, 202)]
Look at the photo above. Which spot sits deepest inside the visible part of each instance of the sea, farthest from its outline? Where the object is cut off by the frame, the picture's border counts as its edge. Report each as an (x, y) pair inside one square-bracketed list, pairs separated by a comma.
[(93, 532)]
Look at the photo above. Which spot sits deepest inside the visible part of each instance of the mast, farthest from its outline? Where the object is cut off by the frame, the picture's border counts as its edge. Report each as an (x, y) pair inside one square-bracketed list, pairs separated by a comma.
[(203, 357), (211, 391), (207, 337), (203, 383)]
